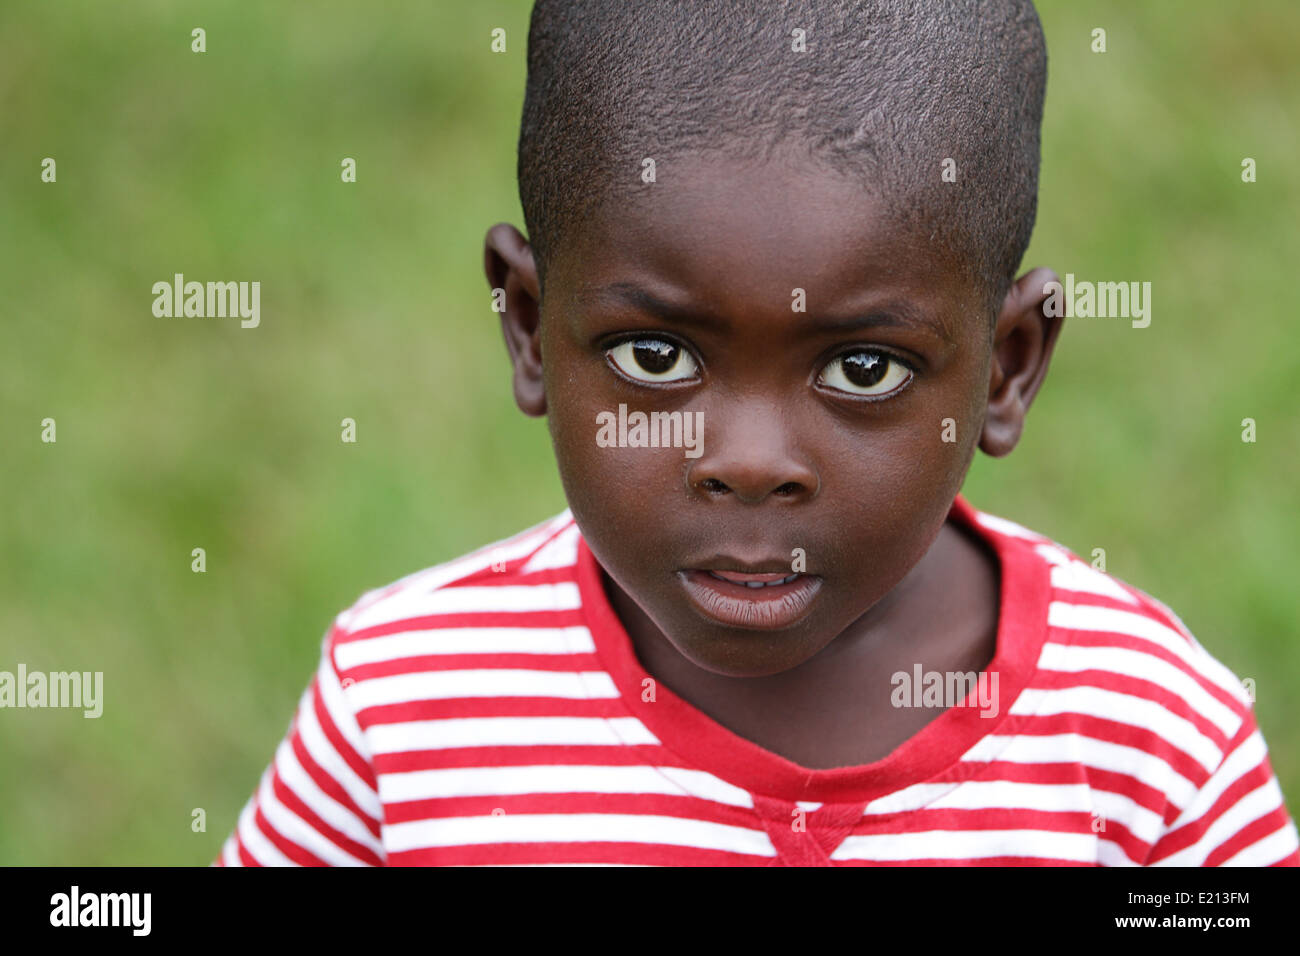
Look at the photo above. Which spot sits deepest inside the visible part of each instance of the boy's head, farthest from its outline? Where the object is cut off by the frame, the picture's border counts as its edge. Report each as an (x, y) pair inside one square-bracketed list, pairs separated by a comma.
[(884, 94), (817, 267)]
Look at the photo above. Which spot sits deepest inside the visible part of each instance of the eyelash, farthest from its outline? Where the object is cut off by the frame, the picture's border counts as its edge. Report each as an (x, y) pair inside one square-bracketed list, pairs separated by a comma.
[(609, 347)]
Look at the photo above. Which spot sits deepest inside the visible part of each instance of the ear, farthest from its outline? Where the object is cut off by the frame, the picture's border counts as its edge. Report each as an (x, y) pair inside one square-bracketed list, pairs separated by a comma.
[(508, 261), (1023, 340)]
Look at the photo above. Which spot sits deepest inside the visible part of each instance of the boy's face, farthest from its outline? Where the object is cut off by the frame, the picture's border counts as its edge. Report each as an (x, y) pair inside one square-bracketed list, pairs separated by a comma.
[(834, 437)]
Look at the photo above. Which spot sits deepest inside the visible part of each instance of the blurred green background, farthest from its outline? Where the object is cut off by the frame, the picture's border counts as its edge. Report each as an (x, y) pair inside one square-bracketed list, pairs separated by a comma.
[(184, 433)]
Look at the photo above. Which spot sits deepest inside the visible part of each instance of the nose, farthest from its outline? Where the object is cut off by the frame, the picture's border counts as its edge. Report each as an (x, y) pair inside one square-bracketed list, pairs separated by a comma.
[(750, 454)]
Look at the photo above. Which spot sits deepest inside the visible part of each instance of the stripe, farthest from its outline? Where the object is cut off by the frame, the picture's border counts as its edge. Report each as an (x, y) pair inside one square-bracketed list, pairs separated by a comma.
[(577, 828), (1125, 709), (327, 808), (970, 845), (508, 732), (1103, 755), (512, 598), (363, 799), (560, 552), (1084, 617), (1278, 845), (464, 640), (453, 685), (575, 778), (261, 850), (1132, 663), (1077, 576)]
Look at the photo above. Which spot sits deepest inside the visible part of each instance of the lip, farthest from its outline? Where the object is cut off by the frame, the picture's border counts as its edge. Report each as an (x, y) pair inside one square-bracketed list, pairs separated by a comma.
[(750, 599)]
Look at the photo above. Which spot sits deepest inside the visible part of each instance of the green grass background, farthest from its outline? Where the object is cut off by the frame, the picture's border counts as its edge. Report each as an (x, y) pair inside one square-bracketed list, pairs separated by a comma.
[(176, 434)]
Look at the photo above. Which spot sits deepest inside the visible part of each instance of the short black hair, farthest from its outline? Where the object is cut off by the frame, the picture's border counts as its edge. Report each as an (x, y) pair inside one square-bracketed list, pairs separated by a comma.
[(886, 92)]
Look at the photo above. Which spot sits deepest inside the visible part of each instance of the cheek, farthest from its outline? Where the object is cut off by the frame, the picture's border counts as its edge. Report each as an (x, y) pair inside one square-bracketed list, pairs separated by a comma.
[(950, 424), (607, 488), (892, 487), (572, 423), (572, 403)]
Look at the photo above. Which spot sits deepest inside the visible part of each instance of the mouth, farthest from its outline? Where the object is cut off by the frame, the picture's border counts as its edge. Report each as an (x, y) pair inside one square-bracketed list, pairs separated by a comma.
[(756, 600)]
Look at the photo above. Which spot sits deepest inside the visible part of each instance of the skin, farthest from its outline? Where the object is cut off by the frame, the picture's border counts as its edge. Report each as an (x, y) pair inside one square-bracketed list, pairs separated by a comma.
[(862, 486)]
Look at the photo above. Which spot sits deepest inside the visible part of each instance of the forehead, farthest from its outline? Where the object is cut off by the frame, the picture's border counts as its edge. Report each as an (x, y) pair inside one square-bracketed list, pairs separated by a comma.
[(739, 236)]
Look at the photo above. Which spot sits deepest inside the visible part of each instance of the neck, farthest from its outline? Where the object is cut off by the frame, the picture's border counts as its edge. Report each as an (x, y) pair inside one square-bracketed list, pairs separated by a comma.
[(943, 615)]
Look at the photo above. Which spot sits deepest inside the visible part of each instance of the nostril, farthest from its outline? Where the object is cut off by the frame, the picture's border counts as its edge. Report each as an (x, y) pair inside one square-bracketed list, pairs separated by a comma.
[(789, 488), (714, 486)]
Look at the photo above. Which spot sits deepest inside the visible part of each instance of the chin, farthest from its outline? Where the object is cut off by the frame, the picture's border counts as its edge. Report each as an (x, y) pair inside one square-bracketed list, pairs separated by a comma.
[(746, 654)]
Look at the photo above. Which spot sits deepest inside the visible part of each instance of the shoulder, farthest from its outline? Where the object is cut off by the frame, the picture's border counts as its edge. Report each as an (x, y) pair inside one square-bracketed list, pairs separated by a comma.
[(1090, 608), (442, 658), (464, 605), (529, 573), (1122, 671), (1161, 732), (446, 641)]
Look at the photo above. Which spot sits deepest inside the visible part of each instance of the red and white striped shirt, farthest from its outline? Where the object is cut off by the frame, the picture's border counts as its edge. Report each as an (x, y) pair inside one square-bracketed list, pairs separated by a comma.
[(492, 711)]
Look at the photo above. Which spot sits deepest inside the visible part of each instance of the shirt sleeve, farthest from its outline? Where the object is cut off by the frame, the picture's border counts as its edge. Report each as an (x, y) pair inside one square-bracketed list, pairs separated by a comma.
[(1237, 818), (317, 803)]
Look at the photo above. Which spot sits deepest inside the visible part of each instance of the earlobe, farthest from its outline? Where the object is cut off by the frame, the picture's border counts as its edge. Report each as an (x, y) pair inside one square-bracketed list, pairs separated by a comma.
[(512, 275), (1023, 341)]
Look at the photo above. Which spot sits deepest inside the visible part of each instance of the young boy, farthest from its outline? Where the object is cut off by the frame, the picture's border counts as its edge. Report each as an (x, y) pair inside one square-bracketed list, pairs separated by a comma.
[(769, 309)]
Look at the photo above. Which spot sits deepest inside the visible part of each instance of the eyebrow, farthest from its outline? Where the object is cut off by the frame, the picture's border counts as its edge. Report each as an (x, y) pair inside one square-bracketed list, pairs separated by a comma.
[(894, 314)]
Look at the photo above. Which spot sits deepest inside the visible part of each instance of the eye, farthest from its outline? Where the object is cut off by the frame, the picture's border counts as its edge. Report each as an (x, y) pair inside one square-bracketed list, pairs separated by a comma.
[(866, 372), (653, 360)]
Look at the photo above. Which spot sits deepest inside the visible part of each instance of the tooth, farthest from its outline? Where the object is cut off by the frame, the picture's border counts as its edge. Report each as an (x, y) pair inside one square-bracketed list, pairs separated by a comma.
[(753, 584)]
